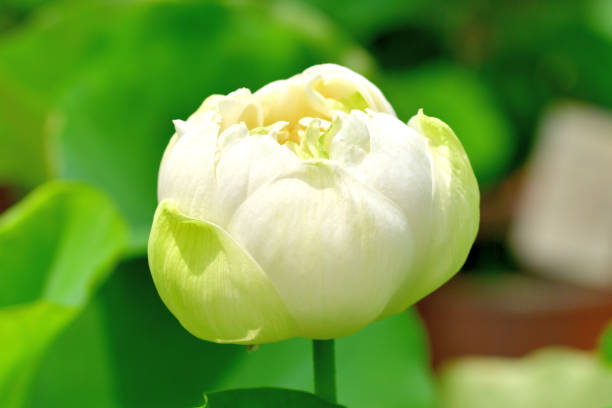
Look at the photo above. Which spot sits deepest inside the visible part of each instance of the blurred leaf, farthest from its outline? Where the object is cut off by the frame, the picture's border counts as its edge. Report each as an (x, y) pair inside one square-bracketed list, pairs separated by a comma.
[(77, 369), (127, 350), (14, 12), (364, 18), (579, 62), (571, 61), (56, 246), (113, 77), (286, 364), (457, 97), (605, 345), (546, 378), (264, 398), (22, 120), (600, 16), (384, 365), (558, 55)]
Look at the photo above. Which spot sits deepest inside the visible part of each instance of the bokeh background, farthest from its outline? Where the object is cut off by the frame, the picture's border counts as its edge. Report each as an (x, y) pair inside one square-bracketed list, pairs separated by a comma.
[(88, 91)]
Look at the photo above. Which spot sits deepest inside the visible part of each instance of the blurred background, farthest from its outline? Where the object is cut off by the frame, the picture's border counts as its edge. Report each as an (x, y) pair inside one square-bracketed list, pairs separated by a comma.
[(88, 91)]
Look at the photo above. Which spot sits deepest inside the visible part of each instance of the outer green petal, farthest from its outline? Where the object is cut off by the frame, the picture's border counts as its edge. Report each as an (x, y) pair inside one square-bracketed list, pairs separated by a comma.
[(455, 213), (456, 203), (213, 287)]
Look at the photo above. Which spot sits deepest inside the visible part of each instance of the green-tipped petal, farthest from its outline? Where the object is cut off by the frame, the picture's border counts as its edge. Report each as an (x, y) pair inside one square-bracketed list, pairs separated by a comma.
[(456, 201), (454, 213), (214, 288)]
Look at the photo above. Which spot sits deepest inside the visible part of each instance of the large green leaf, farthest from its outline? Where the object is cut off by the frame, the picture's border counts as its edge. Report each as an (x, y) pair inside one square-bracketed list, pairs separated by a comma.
[(127, 350), (56, 246), (460, 99), (77, 370), (114, 76), (264, 398)]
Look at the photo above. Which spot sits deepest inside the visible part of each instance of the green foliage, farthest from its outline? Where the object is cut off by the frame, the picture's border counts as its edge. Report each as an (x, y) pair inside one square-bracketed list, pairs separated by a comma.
[(605, 345), (567, 61), (264, 398), (57, 246), (365, 19), (600, 16), (23, 157), (127, 350)]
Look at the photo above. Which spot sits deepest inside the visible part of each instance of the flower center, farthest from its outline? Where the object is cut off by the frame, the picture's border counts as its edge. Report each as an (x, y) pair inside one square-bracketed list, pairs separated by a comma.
[(311, 137)]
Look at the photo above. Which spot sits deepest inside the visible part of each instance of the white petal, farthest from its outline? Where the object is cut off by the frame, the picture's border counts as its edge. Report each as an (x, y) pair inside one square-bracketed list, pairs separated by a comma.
[(181, 127), (334, 248), (340, 82), (231, 135), (317, 92), (188, 165), (238, 106), (399, 167), (351, 143), (208, 181), (246, 166), (285, 100)]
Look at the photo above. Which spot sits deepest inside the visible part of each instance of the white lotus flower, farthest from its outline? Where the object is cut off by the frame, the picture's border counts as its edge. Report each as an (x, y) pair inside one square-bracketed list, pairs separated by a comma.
[(307, 209)]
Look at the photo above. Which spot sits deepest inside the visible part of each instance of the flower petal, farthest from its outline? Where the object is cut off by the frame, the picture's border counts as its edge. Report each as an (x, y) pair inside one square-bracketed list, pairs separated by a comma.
[(341, 83), (238, 106), (317, 92), (456, 210), (333, 247), (399, 167), (351, 142), (213, 287), (208, 178)]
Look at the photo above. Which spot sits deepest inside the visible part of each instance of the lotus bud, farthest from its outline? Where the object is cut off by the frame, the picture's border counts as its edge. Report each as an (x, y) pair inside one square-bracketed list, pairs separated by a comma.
[(307, 209)]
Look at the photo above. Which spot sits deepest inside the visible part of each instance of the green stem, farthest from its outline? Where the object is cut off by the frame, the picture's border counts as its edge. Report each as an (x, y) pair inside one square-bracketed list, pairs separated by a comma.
[(324, 369)]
